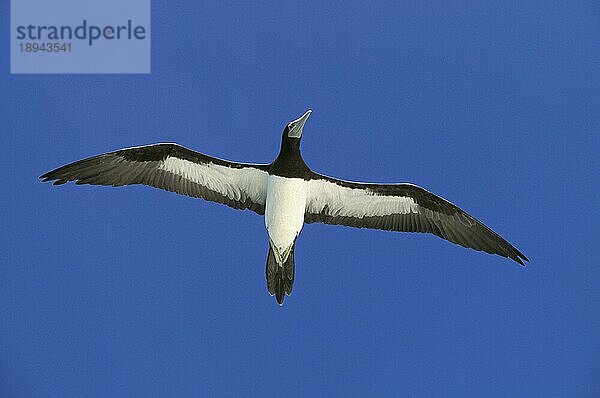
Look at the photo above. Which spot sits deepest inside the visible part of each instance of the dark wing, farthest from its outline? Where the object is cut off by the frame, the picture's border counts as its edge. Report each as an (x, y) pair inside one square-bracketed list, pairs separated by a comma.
[(173, 168), (400, 207)]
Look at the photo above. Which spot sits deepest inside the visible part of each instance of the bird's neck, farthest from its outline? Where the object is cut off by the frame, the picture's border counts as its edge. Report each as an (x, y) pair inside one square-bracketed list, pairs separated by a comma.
[(289, 162)]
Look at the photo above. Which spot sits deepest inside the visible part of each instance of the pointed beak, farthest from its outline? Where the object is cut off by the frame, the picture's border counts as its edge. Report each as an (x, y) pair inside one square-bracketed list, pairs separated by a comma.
[(297, 125)]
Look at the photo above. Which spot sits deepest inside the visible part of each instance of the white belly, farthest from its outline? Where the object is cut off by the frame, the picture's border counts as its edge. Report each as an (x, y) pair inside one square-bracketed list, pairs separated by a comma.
[(284, 213)]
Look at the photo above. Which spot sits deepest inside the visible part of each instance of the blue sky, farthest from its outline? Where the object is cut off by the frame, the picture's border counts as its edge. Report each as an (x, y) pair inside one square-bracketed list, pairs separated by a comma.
[(139, 292)]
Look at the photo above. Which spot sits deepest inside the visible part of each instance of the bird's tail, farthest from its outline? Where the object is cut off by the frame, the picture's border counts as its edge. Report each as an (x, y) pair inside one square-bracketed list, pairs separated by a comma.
[(280, 278)]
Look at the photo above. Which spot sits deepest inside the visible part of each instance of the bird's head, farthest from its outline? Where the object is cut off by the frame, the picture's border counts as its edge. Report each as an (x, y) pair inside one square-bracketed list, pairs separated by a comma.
[(293, 129)]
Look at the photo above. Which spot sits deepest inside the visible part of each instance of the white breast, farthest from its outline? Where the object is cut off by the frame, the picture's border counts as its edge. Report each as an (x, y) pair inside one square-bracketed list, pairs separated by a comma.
[(284, 212)]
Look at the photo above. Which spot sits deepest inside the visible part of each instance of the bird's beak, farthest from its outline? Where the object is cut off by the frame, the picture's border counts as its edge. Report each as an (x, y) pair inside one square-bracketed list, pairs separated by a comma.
[(297, 125)]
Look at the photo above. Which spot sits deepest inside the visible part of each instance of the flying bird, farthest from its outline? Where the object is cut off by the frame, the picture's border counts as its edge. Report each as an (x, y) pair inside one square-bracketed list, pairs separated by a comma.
[(288, 193)]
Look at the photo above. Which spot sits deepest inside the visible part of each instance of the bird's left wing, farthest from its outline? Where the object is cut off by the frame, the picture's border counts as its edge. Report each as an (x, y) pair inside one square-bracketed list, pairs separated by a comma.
[(173, 168), (400, 207)]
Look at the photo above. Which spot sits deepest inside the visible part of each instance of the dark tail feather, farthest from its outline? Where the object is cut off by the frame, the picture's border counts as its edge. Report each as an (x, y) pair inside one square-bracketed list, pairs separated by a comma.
[(280, 279)]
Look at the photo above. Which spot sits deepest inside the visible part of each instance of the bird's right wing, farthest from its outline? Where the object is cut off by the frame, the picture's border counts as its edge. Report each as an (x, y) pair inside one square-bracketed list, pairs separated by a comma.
[(400, 207), (173, 168)]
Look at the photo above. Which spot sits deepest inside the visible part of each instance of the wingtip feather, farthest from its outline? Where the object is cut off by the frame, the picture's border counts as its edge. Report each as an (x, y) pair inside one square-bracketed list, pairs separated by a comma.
[(520, 258)]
